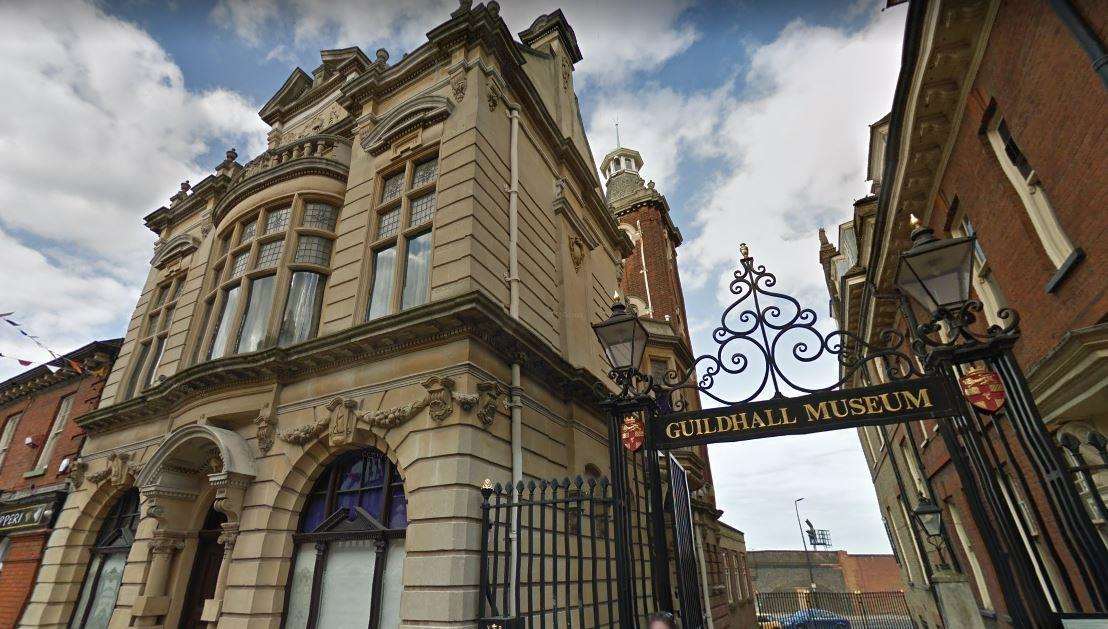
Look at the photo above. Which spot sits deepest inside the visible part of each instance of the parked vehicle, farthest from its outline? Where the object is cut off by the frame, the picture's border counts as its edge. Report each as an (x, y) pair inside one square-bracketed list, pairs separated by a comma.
[(815, 619)]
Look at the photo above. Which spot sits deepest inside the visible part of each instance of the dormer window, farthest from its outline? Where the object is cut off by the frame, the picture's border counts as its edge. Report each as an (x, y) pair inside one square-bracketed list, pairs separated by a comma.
[(268, 289)]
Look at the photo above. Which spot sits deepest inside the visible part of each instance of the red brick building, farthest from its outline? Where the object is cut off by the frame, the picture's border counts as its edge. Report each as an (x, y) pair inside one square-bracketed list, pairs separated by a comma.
[(998, 129), (39, 442)]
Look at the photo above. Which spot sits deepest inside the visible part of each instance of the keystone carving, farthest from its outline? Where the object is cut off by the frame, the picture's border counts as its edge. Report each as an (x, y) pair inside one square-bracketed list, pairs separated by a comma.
[(440, 396)]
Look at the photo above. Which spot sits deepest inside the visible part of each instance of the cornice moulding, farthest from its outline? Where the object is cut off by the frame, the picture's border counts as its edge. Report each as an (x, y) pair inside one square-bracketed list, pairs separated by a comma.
[(470, 316)]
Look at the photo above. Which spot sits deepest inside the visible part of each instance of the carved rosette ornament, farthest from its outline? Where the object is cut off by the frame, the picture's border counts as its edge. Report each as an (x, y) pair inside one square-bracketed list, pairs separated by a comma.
[(341, 420)]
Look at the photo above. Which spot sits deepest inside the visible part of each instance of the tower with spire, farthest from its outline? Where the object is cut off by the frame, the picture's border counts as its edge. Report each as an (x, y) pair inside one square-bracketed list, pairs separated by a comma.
[(650, 278)]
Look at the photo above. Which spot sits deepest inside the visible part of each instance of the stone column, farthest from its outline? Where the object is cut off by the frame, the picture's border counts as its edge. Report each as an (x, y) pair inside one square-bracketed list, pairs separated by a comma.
[(151, 607), (230, 492), (957, 604)]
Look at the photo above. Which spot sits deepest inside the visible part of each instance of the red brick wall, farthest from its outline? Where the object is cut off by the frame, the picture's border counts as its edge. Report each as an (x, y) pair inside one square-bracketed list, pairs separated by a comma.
[(18, 575), (38, 412), (666, 297), (1057, 110), (870, 573)]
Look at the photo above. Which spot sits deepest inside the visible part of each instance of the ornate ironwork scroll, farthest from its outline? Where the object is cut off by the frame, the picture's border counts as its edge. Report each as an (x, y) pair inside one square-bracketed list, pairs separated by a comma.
[(768, 337)]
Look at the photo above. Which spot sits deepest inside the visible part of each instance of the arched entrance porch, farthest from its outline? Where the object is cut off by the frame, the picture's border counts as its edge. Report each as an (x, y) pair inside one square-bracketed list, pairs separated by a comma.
[(194, 486)]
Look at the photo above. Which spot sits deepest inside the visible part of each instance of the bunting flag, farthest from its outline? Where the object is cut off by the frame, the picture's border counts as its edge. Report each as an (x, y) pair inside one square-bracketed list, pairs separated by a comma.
[(6, 317)]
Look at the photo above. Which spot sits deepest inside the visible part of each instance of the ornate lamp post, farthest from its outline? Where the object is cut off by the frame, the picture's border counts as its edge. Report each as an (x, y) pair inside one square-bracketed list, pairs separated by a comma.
[(623, 338), (936, 274)]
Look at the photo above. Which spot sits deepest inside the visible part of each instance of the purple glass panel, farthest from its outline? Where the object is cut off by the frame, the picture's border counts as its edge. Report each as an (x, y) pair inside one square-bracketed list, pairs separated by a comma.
[(398, 511), (313, 513), (350, 476)]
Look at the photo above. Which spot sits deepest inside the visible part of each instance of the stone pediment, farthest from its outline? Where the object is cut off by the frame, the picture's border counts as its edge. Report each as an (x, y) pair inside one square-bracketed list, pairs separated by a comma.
[(176, 247), (293, 88), (418, 113)]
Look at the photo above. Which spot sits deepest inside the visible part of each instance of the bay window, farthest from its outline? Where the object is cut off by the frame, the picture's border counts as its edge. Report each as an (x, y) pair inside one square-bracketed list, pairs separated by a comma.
[(268, 289), (401, 244), (153, 332), (348, 560)]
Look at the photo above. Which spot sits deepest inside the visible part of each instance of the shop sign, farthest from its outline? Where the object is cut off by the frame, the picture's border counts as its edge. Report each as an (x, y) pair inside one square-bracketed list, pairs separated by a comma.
[(23, 517), (922, 398), (983, 389)]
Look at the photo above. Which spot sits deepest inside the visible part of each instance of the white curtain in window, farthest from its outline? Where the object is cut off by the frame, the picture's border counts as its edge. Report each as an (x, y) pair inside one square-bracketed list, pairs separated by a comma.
[(417, 275), (223, 329), (384, 266), (392, 586), (300, 593), (257, 314), (301, 308), (347, 597)]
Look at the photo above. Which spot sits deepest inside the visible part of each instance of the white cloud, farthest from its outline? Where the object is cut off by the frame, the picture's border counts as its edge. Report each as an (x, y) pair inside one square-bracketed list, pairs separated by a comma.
[(97, 128), (306, 25)]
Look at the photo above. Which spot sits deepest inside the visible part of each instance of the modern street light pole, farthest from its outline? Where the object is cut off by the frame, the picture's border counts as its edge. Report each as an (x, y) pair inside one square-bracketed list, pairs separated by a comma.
[(807, 557)]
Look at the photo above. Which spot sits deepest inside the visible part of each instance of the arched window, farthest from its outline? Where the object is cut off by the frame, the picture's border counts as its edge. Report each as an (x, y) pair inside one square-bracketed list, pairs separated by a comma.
[(348, 561), (268, 272), (105, 571)]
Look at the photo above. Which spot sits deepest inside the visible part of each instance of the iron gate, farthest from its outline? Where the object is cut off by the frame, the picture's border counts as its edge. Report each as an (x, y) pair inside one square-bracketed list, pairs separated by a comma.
[(688, 564), (828, 610)]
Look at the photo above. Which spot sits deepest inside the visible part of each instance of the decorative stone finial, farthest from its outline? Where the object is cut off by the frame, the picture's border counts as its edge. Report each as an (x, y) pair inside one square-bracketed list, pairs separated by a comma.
[(185, 187), (650, 184), (494, 7), (232, 154), (382, 56), (823, 237), (463, 8), (744, 251)]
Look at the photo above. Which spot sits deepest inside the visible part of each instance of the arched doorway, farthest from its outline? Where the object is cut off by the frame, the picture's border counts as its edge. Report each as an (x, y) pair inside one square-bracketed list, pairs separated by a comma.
[(205, 570), (96, 602)]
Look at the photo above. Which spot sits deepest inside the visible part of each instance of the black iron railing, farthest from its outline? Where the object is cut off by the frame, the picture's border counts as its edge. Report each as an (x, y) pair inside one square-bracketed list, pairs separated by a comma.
[(564, 572), (831, 610)]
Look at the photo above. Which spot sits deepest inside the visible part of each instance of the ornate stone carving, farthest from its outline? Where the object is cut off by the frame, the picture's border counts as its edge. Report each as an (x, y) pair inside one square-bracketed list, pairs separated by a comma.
[(458, 83), (118, 472), (166, 542), (230, 489), (440, 395), (484, 403), (494, 95), (578, 250), (266, 431), (77, 473), (567, 71), (342, 419)]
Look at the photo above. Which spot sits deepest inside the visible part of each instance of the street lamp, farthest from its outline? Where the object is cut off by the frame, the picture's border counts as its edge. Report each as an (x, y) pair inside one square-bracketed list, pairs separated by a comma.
[(936, 273), (623, 338), (929, 517)]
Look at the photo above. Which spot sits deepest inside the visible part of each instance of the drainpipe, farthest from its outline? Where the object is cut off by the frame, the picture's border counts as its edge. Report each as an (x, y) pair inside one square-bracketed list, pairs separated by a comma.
[(515, 405), (645, 275)]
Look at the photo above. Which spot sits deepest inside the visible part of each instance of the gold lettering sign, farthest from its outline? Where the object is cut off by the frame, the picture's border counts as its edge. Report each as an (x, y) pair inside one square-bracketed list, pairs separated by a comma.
[(912, 399)]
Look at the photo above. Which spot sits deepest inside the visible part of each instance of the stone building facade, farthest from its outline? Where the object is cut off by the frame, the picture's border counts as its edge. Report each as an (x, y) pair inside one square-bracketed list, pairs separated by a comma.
[(39, 443), (736, 577), (976, 145), (340, 340)]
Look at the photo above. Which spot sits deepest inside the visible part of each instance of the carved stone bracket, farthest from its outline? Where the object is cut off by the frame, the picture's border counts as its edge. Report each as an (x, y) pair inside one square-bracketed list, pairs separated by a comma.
[(458, 84), (119, 472), (578, 250), (266, 430), (484, 403), (230, 490), (77, 473)]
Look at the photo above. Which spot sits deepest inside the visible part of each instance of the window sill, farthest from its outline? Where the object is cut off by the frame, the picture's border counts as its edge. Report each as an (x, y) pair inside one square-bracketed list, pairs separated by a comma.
[(1064, 271), (34, 473)]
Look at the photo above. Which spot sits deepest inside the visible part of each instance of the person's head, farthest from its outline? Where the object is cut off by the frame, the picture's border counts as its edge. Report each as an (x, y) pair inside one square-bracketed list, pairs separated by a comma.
[(661, 620)]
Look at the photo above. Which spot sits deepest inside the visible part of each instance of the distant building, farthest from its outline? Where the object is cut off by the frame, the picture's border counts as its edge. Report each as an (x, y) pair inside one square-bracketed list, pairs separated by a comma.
[(39, 442), (833, 571), (736, 576), (997, 130)]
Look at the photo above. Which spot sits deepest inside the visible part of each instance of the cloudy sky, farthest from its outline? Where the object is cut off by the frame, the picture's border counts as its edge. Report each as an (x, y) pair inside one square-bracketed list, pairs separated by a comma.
[(751, 116)]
